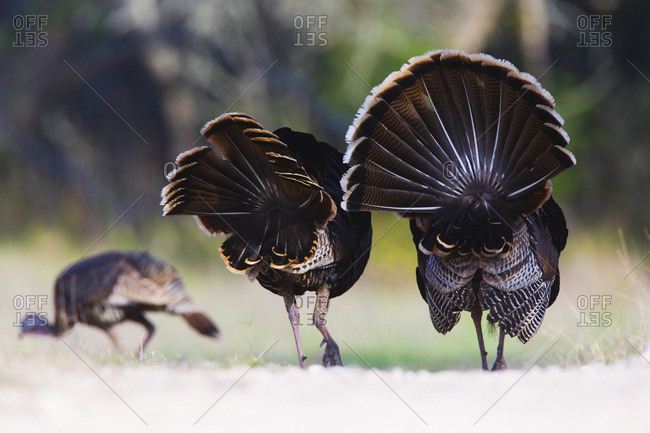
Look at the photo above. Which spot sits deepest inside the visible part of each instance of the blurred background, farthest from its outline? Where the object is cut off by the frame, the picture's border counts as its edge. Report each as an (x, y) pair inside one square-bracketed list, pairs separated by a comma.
[(99, 97)]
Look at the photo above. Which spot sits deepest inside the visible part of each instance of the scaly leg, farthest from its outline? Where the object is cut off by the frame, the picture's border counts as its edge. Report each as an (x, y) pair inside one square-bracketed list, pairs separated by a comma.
[(500, 362), (477, 315), (294, 318), (331, 355)]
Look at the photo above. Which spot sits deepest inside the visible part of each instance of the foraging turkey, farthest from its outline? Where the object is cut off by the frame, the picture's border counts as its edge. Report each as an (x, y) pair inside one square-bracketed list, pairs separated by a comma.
[(276, 195), (114, 287), (465, 145)]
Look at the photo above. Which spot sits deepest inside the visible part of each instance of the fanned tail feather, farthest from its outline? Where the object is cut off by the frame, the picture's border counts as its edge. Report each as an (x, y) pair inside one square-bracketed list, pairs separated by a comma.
[(464, 140), (248, 185)]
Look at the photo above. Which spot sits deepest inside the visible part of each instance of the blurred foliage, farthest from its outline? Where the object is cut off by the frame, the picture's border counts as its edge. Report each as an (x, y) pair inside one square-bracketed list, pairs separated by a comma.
[(88, 122)]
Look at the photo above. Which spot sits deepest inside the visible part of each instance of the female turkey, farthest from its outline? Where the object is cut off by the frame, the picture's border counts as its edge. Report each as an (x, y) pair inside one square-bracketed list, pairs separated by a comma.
[(114, 287)]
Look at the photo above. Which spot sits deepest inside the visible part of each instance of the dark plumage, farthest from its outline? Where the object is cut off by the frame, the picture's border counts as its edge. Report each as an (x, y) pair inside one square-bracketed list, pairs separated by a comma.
[(114, 287), (276, 196), (465, 146)]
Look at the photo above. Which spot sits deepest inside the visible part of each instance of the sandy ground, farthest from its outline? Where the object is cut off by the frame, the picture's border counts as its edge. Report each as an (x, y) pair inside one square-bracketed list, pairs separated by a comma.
[(36, 396)]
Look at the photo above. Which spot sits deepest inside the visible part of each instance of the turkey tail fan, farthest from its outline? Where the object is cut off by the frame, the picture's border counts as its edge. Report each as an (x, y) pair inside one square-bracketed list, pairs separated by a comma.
[(249, 185), (465, 141)]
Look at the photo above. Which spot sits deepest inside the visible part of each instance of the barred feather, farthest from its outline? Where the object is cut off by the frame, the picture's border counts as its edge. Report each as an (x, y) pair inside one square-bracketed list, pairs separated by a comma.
[(276, 196), (454, 133), (249, 185), (465, 145)]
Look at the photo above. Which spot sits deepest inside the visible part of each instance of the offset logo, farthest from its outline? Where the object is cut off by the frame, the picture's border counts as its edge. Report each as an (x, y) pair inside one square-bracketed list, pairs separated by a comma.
[(308, 302), (30, 31), (593, 310), (169, 168), (30, 307), (593, 30), (450, 170), (309, 30)]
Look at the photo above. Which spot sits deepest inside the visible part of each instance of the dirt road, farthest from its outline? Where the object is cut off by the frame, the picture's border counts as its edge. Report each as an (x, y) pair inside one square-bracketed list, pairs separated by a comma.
[(172, 398)]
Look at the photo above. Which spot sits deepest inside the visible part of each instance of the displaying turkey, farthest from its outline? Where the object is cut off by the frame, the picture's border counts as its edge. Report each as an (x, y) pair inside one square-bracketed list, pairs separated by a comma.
[(114, 287), (465, 145), (276, 196)]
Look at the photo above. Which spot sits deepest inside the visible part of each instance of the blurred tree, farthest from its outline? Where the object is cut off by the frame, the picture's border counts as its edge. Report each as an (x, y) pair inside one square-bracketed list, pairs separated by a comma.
[(88, 122)]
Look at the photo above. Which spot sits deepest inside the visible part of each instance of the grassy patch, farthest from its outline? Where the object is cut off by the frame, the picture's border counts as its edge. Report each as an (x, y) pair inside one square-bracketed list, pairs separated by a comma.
[(382, 322)]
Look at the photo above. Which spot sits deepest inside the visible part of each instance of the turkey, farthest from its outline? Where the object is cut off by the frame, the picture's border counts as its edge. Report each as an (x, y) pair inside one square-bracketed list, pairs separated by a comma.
[(114, 287), (276, 195), (465, 145)]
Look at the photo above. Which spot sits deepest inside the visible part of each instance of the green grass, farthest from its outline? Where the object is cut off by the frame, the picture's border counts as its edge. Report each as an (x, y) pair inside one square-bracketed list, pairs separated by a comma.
[(382, 322)]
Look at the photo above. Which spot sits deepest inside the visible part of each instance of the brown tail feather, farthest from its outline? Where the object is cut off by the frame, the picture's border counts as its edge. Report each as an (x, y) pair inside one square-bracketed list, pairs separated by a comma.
[(494, 127), (249, 185), (202, 324)]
